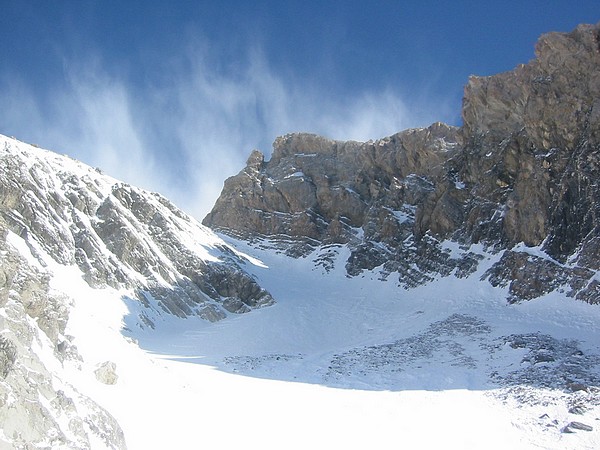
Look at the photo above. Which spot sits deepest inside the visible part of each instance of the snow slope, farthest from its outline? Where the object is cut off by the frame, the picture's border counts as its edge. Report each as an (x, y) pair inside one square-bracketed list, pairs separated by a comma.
[(269, 379)]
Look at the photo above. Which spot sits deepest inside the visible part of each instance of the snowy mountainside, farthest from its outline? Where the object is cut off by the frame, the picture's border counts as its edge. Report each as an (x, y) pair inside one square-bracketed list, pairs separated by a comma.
[(537, 362), (62, 220), (86, 361), (39, 406), (391, 261), (122, 237)]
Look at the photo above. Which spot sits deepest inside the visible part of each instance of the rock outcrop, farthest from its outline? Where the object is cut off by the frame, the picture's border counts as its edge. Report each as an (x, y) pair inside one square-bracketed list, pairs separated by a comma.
[(107, 373), (518, 177)]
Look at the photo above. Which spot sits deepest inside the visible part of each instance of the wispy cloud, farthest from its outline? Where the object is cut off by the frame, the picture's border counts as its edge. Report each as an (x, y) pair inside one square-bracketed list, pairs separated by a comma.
[(183, 137), (91, 119)]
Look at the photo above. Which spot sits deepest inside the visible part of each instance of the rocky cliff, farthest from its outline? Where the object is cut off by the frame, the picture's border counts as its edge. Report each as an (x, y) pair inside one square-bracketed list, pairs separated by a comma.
[(518, 179)]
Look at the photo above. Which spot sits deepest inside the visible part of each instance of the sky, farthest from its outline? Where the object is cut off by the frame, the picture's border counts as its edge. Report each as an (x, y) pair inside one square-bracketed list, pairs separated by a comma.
[(172, 96)]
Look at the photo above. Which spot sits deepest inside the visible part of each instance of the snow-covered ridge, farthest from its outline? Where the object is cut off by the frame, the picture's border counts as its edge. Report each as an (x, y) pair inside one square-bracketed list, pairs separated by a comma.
[(121, 236)]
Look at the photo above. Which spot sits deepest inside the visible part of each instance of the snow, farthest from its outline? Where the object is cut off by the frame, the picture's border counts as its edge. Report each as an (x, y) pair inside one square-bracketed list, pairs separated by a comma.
[(453, 248), (257, 380), (21, 246), (295, 175), (536, 251), (404, 216)]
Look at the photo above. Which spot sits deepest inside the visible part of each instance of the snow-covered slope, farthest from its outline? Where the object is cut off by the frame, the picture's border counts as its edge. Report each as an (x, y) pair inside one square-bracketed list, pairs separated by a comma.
[(64, 222), (450, 363), (346, 363), (121, 236), (102, 344)]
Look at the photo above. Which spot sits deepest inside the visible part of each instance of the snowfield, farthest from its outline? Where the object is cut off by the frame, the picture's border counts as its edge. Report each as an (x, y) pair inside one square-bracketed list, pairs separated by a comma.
[(344, 362)]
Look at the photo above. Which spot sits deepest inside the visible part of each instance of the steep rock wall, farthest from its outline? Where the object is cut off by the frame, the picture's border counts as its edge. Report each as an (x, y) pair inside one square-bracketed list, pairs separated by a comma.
[(523, 168)]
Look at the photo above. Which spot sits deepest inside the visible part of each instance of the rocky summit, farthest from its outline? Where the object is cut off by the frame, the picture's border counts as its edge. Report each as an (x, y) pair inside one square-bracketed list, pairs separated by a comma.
[(517, 179)]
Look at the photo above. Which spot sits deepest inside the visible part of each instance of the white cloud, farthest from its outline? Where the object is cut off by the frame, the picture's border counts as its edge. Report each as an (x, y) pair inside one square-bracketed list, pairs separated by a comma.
[(185, 137)]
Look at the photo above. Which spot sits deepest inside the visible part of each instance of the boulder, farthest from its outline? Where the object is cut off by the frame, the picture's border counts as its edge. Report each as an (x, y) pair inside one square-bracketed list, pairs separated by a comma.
[(106, 373)]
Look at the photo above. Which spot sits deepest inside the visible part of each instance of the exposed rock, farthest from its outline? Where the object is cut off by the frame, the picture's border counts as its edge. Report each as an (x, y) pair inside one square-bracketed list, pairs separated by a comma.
[(576, 426), (580, 426), (530, 276), (576, 387), (520, 171), (443, 342), (577, 409), (8, 355), (547, 362), (317, 188), (107, 373)]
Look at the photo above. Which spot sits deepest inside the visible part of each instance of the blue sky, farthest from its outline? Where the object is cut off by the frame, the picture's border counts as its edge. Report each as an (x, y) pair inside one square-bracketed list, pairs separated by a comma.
[(173, 96)]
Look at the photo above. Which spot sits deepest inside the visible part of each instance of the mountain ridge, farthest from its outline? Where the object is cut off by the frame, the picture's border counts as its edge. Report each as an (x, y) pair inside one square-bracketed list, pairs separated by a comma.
[(121, 236), (108, 292), (520, 169)]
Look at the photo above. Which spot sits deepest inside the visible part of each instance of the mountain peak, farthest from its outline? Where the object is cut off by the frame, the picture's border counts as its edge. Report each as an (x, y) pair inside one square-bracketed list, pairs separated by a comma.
[(405, 251), (519, 170)]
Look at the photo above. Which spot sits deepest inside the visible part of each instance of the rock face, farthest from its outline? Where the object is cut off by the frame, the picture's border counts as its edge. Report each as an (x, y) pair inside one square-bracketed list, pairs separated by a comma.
[(107, 373), (321, 189), (518, 177)]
